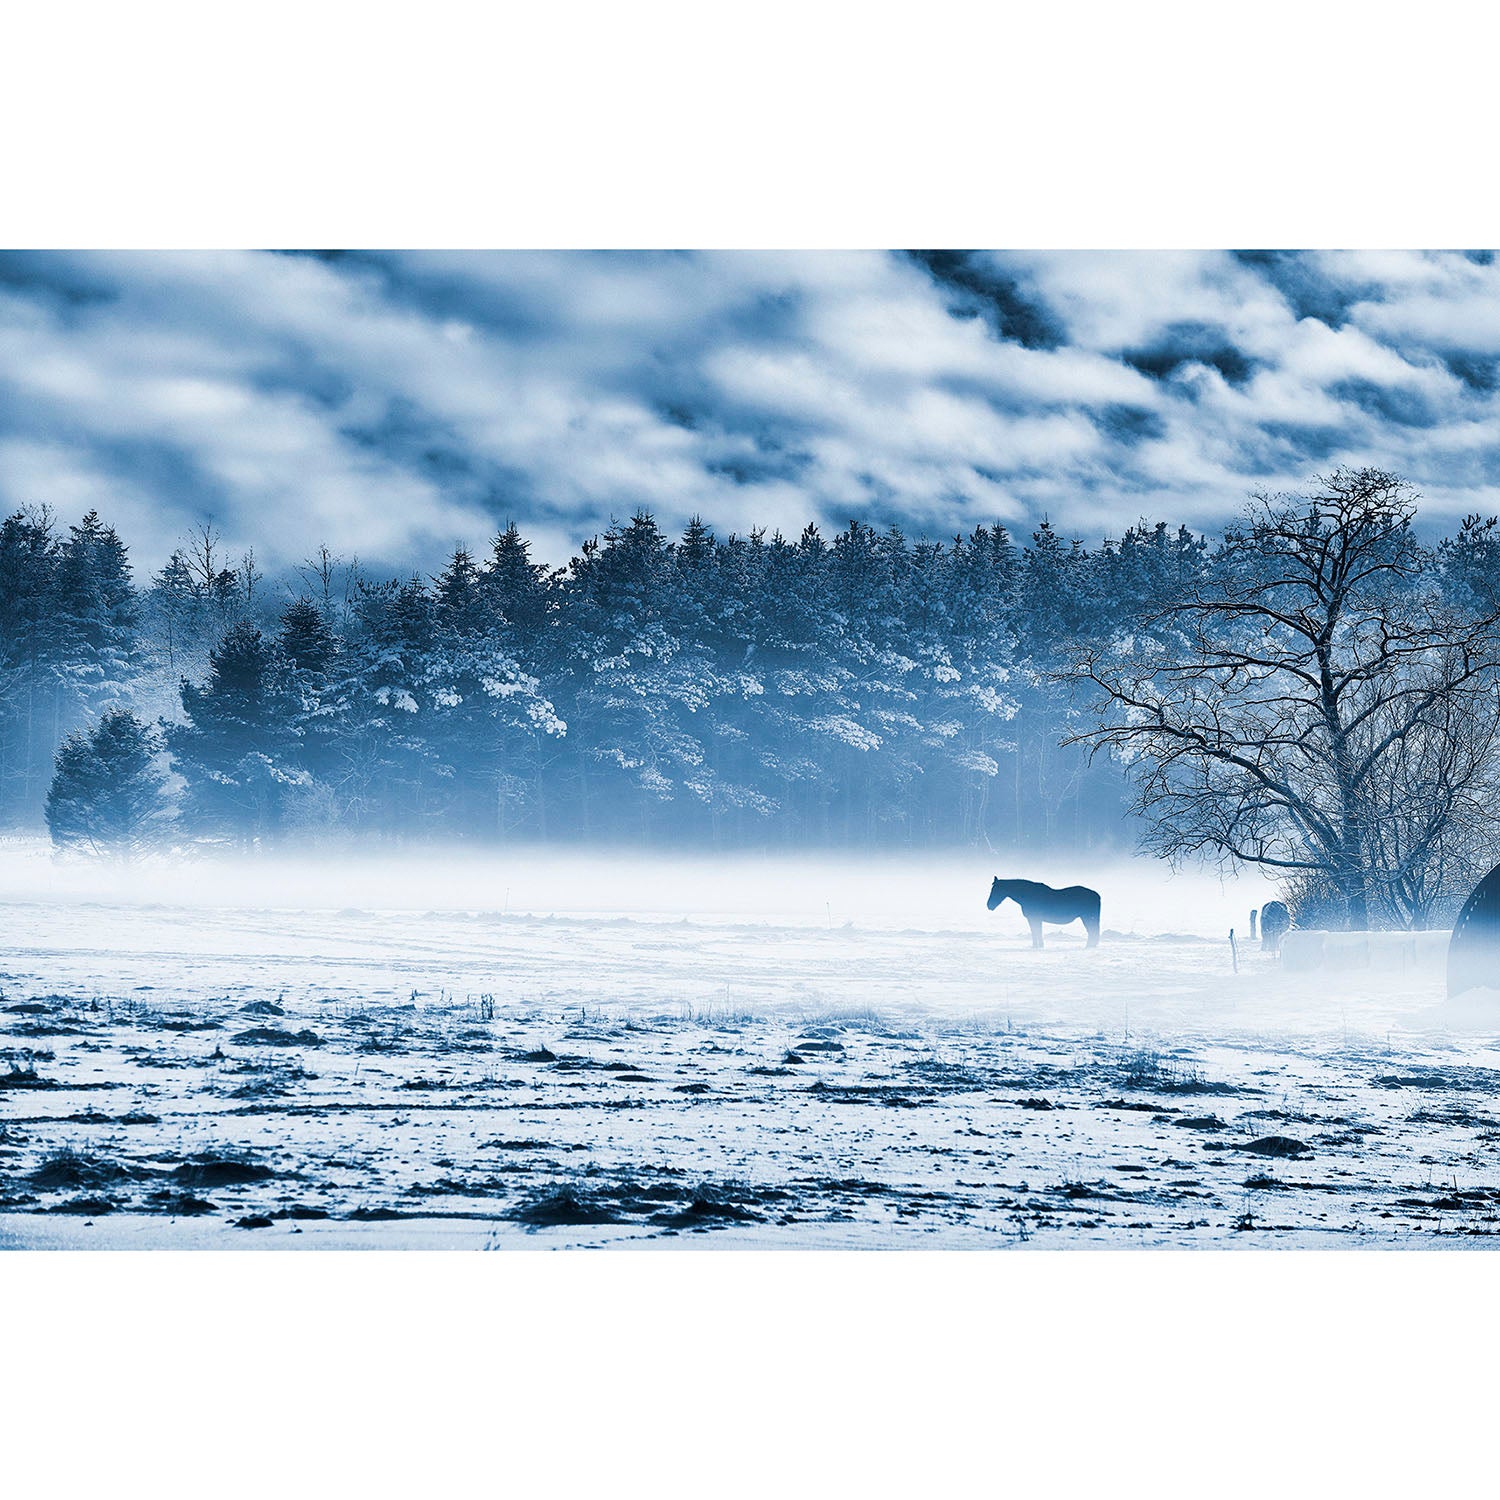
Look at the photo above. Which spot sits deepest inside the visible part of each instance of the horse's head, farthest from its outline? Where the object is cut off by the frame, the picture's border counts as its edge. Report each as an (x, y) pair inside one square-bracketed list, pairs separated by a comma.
[(998, 892)]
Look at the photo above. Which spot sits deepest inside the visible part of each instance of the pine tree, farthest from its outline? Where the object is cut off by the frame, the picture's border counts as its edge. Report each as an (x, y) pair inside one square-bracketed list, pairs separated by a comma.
[(305, 640), (233, 751), (460, 603), (108, 794), (519, 590), (30, 700), (97, 610)]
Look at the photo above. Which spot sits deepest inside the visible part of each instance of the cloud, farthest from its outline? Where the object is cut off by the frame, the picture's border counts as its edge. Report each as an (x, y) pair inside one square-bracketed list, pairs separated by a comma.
[(395, 404)]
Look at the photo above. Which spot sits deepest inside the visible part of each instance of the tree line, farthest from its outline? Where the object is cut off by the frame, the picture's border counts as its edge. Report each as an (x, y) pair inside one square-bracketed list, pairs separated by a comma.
[(1301, 693)]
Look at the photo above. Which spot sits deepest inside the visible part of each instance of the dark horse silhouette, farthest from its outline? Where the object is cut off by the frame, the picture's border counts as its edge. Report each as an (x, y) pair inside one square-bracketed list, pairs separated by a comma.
[(1040, 903), (1275, 922)]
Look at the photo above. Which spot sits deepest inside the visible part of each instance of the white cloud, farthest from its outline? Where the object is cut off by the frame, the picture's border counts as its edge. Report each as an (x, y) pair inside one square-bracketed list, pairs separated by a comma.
[(393, 406)]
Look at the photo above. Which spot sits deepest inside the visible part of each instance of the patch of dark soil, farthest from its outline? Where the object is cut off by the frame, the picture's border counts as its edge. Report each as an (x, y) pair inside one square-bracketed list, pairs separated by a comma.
[(214, 1169), (794, 1057), (271, 1086), (565, 1206), (1457, 1114), (454, 1187), (425, 1085), (691, 1088), (1278, 1145), (1442, 1078), (301, 1211), (471, 1041), (893, 1098), (1083, 1190), (1200, 1122), (27, 1008), (770, 1072), (957, 1079), (92, 1116), (539, 1055), (262, 1008), (1133, 1104), (633, 1078), (1263, 1181), (180, 1205), (1036, 1104), (90, 1207), (76, 1169), (527, 1145), (375, 1215), (858, 1186), (182, 1023), (706, 1210), (275, 1036), (26, 1078), (253, 1221), (375, 1042), (820, 1046), (1189, 1085)]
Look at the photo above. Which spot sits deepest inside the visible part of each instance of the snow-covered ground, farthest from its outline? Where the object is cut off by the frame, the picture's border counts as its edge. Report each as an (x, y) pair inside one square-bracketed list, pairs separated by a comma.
[(536, 1050)]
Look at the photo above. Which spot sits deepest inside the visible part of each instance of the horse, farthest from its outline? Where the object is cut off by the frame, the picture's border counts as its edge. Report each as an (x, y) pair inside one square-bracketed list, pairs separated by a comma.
[(1040, 903), (1275, 920)]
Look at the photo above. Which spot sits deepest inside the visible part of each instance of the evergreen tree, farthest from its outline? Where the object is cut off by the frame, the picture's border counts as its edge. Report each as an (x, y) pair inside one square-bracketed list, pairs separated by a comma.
[(519, 590), (233, 751), (305, 640), (108, 794)]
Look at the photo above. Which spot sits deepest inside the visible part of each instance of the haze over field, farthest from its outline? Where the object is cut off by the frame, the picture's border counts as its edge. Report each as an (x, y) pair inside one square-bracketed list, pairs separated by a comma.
[(881, 890)]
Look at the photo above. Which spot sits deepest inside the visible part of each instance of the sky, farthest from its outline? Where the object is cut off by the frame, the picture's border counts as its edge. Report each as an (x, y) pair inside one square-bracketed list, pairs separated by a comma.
[(395, 404)]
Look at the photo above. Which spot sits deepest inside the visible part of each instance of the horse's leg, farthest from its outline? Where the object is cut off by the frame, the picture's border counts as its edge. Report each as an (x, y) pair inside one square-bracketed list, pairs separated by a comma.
[(1091, 926), (1036, 931)]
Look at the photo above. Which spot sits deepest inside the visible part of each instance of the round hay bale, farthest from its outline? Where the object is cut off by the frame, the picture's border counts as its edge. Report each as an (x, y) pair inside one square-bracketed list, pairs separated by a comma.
[(1474, 948)]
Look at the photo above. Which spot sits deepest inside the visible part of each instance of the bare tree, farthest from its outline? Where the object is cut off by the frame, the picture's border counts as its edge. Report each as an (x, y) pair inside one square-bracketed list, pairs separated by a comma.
[(317, 573), (249, 577), (203, 555), (1313, 706)]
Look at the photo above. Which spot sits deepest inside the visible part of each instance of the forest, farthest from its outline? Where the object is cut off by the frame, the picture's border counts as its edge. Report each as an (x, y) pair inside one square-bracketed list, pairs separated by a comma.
[(863, 690), (853, 691)]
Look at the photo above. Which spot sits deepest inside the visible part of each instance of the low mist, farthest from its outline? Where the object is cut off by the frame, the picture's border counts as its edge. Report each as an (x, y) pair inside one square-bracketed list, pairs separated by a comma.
[(884, 890)]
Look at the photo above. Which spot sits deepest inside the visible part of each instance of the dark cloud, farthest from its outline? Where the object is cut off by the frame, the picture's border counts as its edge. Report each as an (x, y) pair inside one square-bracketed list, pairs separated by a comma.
[(1389, 403), (977, 289), (1309, 292), (1131, 424), (1480, 372), (1181, 344)]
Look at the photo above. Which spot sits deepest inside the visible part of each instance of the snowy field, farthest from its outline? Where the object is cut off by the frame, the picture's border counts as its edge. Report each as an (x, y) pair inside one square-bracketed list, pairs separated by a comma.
[(540, 1051)]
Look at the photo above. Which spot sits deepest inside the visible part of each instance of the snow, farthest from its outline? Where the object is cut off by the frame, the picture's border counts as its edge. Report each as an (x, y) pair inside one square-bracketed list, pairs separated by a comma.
[(713, 1052), (1304, 949)]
